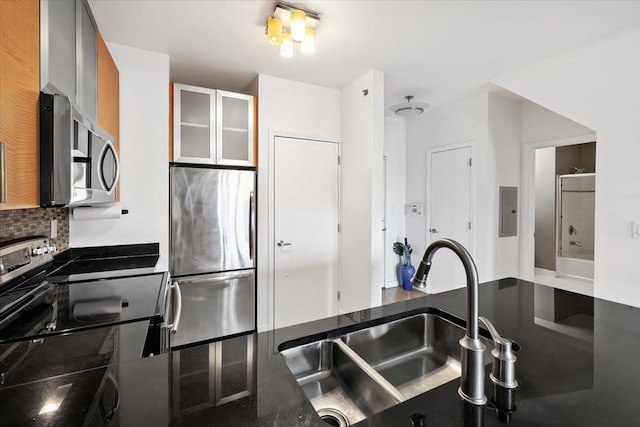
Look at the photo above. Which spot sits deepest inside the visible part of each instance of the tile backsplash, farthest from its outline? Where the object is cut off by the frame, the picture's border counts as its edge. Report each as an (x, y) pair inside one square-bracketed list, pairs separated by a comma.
[(30, 222)]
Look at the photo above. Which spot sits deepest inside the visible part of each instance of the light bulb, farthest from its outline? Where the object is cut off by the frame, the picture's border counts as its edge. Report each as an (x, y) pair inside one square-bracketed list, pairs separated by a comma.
[(308, 43), (298, 25), (286, 48), (274, 31)]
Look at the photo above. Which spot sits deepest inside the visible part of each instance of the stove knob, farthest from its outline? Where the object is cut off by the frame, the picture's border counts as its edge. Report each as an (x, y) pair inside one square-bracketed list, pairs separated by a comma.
[(52, 249), (2, 267), (37, 251)]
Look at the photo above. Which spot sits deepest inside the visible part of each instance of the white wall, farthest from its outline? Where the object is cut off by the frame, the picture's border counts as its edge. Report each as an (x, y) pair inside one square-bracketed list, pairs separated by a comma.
[(360, 265), (144, 138), (540, 124), (395, 150), (597, 85), (464, 121), (504, 143), (289, 108), (492, 123)]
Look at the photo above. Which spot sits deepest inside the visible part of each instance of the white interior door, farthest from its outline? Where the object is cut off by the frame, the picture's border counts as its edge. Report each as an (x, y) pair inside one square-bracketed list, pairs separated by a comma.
[(449, 214), (385, 243), (305, 230)]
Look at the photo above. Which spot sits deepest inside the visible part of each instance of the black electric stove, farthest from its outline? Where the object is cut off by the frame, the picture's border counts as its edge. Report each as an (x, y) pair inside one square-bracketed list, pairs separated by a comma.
[(83, 305), (74, 323)]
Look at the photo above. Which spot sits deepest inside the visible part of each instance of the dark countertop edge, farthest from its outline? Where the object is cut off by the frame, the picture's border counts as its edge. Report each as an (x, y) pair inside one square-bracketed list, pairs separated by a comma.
[(96, 252), (104, 253)]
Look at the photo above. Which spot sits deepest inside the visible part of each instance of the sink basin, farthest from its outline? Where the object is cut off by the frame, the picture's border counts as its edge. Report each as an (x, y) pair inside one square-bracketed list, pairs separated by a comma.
[(364, 372), (337, 386), (415, 354)]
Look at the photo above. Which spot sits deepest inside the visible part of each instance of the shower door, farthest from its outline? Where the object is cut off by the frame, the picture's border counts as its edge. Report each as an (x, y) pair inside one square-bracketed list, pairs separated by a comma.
[(576, 215)]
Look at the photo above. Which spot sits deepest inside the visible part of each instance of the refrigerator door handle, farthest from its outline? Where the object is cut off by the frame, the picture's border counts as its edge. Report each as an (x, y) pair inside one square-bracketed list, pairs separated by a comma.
[(173, 327), (216, 278), (251, 225)]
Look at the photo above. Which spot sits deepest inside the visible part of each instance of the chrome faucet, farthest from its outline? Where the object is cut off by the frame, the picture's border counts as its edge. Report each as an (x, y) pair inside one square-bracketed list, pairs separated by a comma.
[(472, 382)]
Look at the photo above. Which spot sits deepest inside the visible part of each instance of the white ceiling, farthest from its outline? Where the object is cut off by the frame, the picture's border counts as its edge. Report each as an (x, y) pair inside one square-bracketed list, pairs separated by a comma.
[(436, 50)]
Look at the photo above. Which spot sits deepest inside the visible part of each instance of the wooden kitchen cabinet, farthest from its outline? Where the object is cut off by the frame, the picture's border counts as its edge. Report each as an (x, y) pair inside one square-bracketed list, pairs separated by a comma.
[(109, 96), (212, 126), (19, 94)]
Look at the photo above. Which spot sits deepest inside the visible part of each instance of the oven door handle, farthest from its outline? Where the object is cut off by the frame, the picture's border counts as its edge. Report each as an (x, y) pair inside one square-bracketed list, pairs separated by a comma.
[(108, 414), (173, 327)]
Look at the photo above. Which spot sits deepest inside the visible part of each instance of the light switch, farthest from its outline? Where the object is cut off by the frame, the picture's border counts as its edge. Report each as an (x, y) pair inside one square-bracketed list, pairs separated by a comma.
[(635, 229), (413, 208)]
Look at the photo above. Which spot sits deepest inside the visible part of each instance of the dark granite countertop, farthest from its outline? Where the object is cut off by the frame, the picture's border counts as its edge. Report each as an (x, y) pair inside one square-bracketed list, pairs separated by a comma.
[(577, 366)]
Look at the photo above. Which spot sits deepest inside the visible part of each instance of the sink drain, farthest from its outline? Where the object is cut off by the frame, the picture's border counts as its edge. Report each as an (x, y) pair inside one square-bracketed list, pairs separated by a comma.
[(333, 417)]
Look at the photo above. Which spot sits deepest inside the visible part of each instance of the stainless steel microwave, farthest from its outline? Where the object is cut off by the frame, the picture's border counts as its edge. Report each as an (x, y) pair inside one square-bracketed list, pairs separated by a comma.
[(79, 164)]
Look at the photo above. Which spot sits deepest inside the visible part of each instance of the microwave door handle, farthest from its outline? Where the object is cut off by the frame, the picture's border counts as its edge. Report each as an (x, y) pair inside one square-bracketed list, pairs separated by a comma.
[(116, 165)]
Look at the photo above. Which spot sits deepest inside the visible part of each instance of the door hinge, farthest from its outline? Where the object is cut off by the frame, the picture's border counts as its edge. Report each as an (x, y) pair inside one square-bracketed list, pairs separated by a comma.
[(470, 162), (469, 225), (338, 295), (338, 228), (339, 159)]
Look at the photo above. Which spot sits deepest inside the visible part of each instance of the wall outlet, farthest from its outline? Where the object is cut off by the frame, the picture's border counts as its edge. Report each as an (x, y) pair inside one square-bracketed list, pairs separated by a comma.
[(54, 229), (413, 208), (635, 229)]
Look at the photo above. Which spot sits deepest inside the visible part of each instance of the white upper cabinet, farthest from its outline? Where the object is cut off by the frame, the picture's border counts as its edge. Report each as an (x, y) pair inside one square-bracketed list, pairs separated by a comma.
[(194, 118), (212, 126), (235, 129)]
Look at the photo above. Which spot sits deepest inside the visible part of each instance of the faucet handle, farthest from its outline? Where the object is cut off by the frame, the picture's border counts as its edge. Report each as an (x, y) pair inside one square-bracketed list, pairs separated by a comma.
[(504, 359)]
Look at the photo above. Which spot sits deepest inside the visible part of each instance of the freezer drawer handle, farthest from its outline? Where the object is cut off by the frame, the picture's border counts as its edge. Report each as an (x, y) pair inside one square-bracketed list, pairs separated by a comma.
[(215, 279), (173, 328)]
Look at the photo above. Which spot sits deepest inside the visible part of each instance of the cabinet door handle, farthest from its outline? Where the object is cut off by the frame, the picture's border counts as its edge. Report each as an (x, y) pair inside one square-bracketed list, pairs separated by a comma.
[(283, 243), (3, 173), (433, 230)]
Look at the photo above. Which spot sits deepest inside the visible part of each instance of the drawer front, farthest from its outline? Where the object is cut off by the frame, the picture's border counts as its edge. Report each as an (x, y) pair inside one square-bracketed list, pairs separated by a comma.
[(214, 306)]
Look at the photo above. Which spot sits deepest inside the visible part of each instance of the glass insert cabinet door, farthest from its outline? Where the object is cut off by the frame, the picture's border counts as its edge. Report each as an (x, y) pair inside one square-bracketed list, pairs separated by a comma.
[(194, 124), (210, 375), (235, 129)]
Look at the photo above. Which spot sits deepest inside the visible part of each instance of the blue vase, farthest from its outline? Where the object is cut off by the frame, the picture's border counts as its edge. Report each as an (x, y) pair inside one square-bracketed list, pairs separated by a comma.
[(407, 272)]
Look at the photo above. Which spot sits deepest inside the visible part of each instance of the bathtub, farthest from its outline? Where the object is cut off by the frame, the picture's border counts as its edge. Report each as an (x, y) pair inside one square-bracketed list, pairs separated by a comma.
[(575, 267)]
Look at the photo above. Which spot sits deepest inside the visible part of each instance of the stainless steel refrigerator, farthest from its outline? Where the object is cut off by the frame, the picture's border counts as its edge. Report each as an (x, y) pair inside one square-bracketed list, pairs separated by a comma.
[(212, 258)]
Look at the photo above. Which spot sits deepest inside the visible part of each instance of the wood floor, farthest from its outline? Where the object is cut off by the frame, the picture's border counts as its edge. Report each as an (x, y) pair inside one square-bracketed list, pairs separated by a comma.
[(391, 295)]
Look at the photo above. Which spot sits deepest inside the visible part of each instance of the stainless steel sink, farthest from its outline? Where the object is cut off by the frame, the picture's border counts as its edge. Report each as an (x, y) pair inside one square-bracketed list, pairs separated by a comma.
[(338, 384), (364, 372), (415, 354)]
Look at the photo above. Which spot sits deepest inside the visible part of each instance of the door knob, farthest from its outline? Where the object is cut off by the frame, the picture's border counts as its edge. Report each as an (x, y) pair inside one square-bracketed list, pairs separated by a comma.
[(433, 230), (282, 243)]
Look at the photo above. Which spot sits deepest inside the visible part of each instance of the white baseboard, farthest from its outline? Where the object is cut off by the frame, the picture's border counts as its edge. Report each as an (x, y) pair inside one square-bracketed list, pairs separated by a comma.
[(544, 272), (391, 284)]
